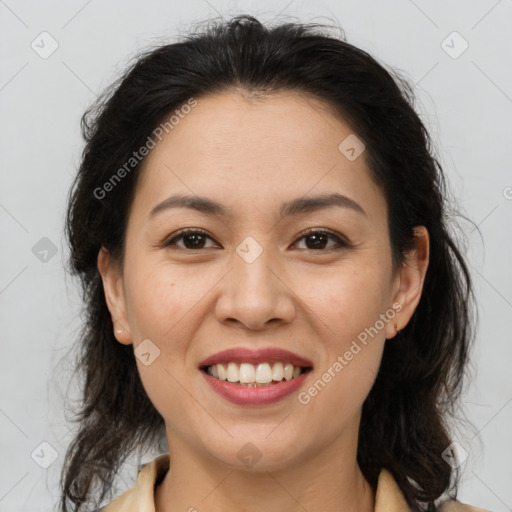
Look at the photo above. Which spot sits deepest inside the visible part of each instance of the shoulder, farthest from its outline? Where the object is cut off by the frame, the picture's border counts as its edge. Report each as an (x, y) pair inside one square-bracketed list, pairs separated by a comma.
[(127, 501), (457, 506), (141, 495), (389, 497)]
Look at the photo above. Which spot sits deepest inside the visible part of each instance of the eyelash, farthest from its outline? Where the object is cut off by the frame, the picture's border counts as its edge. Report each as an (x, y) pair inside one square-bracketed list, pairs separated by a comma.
[(341, 244)]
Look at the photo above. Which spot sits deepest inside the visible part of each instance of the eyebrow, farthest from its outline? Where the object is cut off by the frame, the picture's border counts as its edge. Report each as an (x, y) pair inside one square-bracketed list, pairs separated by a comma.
[(289, 208)]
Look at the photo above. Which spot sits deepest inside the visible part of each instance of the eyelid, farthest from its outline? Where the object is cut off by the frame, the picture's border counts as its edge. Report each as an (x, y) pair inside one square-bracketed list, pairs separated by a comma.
[(183, 232), (342, 243), (340, 240)]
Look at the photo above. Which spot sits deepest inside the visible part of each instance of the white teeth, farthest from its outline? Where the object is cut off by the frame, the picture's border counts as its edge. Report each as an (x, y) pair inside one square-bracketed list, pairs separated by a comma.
[(288, 371), (232, 372), (247, 373), (278, 372), (221, 371), (264, 373)]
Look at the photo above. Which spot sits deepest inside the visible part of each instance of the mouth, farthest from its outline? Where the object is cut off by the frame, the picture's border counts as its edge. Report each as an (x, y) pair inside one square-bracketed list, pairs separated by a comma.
[(264, 374), (248, 377)]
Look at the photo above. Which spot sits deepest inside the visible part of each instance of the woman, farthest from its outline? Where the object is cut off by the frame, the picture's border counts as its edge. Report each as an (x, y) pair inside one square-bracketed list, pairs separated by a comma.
[(260, 229)]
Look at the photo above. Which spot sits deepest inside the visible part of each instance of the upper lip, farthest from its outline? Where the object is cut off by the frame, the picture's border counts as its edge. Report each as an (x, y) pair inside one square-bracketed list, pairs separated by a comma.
[(263, 355)]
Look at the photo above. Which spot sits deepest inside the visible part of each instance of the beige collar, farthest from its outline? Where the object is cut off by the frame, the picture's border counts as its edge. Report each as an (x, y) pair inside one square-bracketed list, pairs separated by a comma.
[(141, 497)]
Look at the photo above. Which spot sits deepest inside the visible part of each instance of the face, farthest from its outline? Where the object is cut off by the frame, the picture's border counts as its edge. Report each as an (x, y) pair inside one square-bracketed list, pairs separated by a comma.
[(317, 281)]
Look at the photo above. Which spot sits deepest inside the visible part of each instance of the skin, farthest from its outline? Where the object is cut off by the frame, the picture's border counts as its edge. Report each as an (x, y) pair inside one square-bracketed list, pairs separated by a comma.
[(251, 156)]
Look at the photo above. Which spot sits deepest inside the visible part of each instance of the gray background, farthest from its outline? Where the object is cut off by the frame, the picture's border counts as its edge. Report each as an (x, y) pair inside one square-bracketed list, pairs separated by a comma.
[(464, 98)]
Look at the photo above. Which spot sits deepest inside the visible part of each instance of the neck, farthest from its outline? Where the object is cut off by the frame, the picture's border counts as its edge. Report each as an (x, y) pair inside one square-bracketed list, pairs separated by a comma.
[(329, 480)]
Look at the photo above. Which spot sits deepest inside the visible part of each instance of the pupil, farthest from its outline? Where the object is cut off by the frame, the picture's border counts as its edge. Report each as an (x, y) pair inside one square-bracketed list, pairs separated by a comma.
[(319, 241), (317, 237), (196, 238)]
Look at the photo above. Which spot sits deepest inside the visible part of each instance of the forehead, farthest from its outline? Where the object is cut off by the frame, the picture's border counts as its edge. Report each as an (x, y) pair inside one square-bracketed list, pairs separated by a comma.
[(231, 126), (256, 151)]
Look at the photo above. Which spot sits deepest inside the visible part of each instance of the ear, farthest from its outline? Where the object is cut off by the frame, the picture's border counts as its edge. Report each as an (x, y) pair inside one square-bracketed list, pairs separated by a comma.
[(409, 281), (114, 295)]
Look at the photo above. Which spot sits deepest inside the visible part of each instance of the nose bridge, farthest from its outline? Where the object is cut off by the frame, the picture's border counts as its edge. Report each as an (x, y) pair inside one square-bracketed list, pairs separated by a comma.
[(255, 293), (252, 273), (253, 265)]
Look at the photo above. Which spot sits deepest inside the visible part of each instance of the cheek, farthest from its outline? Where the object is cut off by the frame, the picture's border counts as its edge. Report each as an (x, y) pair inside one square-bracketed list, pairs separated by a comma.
[(352, 336), (161, 302), (161, 296), (351, 305), (347, 298), (336, 396)]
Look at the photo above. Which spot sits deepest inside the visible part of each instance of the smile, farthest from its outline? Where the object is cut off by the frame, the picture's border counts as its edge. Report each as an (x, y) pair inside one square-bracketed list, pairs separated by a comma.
[(251, 375), (245, 376)]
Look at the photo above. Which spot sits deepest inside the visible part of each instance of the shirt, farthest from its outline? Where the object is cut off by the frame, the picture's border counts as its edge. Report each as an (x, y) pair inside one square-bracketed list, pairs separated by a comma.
[(141, 497)]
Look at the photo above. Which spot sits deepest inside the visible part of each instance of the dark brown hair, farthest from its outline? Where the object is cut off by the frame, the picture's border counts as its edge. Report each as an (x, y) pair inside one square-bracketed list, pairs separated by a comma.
[(404, 424)]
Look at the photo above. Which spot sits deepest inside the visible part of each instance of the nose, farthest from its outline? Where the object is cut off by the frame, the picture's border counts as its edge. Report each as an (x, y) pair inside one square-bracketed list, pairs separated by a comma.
[(255, 294)]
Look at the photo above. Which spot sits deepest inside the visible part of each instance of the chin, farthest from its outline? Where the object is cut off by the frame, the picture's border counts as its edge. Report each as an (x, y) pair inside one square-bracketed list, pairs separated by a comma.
[(255, 454)]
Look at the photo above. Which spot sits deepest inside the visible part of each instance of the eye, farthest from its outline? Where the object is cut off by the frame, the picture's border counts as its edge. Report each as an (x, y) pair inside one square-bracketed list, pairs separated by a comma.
[(192, 239), (318, 240)]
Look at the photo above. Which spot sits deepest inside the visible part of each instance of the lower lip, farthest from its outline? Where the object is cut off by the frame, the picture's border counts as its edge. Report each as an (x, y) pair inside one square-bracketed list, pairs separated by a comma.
[(242, 395)]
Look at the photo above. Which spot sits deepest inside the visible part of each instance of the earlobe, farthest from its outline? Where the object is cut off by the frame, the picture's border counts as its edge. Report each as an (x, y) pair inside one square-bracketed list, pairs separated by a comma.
[(114, 296), (411, 278)]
